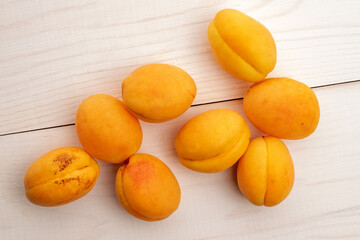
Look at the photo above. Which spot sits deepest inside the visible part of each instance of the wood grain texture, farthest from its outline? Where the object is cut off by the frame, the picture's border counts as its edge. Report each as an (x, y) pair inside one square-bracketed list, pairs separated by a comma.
[(324, 203), (53, 54)]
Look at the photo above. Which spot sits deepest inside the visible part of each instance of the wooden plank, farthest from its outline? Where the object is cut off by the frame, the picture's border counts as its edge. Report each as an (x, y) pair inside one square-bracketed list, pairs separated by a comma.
[(323, 204), (54, 54)]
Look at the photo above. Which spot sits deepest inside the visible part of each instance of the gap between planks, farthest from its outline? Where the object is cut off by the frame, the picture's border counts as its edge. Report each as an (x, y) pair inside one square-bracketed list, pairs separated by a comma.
[(194, 105)]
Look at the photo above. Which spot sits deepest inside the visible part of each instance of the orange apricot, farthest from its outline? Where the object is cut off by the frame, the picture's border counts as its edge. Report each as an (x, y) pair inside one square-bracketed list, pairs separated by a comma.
[(106, 129), (212, 141), (158, 92), (265, 173), (60, 176), (283, 108), (241, 45), (147, 188)]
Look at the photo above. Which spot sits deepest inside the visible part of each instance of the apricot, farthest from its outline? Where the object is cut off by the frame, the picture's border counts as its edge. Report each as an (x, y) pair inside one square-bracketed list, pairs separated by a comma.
[(241, 45), (106, 129), (265, 172), (283, 108), (147, 188), (212, 141), (158, 92), (60, 176)]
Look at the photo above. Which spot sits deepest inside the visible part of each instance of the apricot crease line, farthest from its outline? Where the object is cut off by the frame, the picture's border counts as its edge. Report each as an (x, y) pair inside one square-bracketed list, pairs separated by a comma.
[(252, 66), (56, 179), (266, 170)]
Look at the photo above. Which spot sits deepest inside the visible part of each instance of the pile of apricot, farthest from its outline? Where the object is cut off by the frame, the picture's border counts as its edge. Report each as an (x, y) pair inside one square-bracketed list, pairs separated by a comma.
[(109, 130)]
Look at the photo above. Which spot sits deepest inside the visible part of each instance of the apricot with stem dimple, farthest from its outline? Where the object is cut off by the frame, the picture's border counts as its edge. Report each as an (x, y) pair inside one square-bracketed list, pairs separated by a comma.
[(147, 188)]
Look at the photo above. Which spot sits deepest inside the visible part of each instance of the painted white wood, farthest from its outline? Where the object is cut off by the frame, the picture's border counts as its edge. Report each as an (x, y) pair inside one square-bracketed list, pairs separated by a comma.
[(53, 54), (324, 203)]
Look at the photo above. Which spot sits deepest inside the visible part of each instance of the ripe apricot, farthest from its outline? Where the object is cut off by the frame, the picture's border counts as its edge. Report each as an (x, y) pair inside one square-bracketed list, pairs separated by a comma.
[(60, 176), (147, 188), (106, 129), (212, 141), (242, 45), (265, 172), (283, 108), (158, 92)]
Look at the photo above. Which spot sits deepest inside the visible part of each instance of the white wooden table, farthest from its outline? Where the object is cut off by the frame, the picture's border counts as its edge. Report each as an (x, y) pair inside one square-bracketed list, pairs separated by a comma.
[(53, 54)]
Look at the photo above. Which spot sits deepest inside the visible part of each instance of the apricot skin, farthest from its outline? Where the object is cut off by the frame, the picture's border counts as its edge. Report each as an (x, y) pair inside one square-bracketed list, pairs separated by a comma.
[(60, 176), (265, 172), (241, 45), (212, 141), (283, 108), (158, 92), (147, 188), (106, 129)]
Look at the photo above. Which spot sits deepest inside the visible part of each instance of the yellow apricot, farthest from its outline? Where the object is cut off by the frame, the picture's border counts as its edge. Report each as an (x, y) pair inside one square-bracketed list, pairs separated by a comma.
[(283, 108), (212, 141), (242, 45), (158, 92), (265, 172), (147, 188), (60, 176), (106, 129)]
